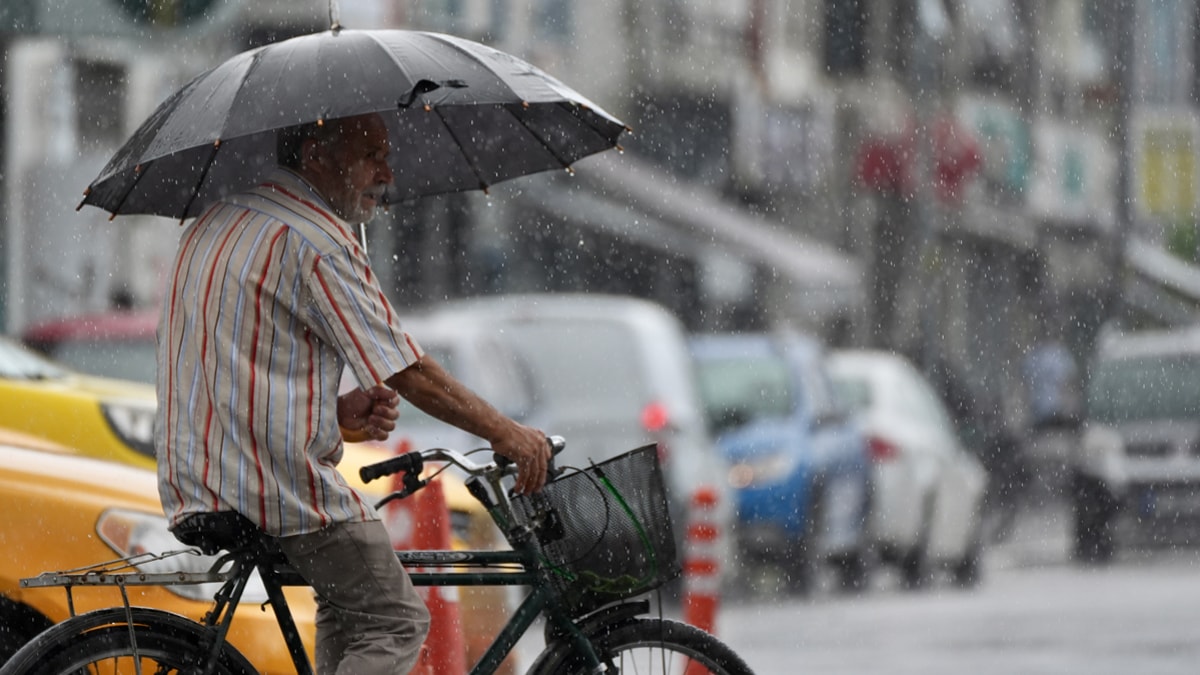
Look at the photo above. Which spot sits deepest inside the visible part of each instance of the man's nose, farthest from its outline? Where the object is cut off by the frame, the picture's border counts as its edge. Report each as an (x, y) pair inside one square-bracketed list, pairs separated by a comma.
[(385, 173)]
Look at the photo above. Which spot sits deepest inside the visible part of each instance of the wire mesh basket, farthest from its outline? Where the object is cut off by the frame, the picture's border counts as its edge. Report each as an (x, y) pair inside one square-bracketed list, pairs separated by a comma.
[(604, 531)]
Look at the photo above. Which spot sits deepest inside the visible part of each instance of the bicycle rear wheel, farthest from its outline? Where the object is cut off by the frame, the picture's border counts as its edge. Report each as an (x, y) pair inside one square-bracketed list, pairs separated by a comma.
[(101, 642), (649, 647)]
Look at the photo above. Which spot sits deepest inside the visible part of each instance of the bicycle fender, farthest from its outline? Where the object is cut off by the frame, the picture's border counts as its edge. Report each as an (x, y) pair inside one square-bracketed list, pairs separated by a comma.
[(603, 619)]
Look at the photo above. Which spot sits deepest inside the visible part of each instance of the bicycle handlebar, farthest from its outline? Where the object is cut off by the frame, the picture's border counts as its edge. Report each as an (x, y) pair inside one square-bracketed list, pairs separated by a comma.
[(409, 462), (414, 462)]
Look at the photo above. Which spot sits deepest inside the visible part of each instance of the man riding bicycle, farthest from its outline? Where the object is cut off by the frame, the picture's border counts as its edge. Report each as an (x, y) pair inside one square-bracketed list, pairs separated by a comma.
[(270, 297)]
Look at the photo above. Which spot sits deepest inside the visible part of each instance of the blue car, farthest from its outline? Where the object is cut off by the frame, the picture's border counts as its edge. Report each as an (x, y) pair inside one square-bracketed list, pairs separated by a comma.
[(798, 459)]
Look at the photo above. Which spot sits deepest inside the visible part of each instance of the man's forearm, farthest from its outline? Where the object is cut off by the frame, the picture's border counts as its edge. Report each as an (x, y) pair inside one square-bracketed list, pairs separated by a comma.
[(430, 388)]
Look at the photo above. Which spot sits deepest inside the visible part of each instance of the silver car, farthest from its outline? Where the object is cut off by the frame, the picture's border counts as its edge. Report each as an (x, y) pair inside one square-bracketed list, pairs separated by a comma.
[(608, 373)]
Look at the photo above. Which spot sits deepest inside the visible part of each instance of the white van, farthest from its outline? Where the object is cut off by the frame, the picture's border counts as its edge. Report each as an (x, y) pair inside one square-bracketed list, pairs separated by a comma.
[(608, 373)]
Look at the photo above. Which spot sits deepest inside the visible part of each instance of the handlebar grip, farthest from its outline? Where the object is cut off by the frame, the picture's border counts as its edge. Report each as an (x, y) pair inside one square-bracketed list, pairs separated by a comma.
[(409, 462)]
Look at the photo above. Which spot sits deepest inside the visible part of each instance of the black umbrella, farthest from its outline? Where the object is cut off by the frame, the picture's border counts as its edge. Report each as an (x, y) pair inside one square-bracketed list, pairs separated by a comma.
[(461, 116)]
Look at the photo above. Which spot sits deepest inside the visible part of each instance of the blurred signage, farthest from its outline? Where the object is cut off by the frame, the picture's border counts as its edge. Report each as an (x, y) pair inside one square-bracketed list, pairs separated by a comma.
[(1004, 143), (1074, 175), (781, 147), (167, 13), (1164, 145), (115, 18), (885, 163)]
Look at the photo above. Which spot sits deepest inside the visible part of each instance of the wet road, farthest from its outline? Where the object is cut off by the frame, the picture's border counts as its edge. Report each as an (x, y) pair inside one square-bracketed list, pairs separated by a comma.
[(1035, 613)]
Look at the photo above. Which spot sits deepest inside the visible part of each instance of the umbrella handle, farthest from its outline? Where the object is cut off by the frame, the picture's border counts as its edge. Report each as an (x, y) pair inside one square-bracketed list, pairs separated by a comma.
[(335, 19)]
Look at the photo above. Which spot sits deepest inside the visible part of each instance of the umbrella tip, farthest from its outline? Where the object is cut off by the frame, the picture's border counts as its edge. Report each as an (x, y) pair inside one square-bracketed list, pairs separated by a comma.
[(112, 216)]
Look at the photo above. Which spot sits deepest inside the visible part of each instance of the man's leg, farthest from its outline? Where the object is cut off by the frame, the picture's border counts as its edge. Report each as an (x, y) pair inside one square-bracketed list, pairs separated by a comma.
[(369, 617)]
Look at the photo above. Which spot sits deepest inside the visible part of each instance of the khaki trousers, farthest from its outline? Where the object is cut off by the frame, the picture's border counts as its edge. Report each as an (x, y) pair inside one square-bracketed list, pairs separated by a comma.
[(369, 617)]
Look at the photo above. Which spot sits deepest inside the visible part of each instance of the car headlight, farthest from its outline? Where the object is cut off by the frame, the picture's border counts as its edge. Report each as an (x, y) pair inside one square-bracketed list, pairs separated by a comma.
[(761, 470), (133, 423), (134, 533)]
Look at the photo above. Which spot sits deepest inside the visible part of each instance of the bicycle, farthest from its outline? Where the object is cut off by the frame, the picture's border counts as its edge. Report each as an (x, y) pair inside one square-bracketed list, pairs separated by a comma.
[(589, 548)]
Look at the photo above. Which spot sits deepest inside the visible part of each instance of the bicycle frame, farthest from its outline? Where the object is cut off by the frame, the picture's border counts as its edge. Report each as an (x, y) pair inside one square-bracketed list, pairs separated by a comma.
[(517, 566), (429, 568), (426, 568)]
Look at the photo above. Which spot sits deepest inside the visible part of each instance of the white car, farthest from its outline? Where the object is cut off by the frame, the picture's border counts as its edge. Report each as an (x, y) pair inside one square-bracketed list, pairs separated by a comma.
[(926, 508), (1135, 477), (608, 373)]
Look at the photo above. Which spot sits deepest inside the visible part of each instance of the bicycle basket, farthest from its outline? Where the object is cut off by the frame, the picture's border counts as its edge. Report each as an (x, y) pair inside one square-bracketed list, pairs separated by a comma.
[(604, 531)]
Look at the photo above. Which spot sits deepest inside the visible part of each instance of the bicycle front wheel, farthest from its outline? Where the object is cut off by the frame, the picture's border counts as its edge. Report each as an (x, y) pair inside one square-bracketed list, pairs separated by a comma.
[(162, 648), (649, 647)]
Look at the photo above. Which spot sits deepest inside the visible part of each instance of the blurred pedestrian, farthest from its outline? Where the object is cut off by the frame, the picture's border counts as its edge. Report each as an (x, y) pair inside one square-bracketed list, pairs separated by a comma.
[(1052, 385)]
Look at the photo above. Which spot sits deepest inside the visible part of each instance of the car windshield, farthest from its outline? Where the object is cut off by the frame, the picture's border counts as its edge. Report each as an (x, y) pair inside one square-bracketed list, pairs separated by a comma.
[(123, 359), (1145, 388), (853, 392), (16, 362), (588, 363), (746, 388)]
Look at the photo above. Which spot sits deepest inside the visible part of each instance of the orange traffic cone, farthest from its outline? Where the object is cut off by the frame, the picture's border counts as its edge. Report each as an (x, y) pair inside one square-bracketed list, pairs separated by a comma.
[(399, 514), (701, 564), (444, 652)]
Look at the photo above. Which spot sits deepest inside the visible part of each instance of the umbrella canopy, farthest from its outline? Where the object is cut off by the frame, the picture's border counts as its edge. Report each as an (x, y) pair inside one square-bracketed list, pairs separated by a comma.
[(460, 115)]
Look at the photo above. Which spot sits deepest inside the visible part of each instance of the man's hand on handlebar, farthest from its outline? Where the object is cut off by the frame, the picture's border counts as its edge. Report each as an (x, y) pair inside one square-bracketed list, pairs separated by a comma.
[(528, 449)]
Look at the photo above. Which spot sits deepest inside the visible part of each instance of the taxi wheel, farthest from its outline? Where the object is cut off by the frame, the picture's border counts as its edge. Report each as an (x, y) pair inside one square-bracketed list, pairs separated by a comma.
[(18, 625)]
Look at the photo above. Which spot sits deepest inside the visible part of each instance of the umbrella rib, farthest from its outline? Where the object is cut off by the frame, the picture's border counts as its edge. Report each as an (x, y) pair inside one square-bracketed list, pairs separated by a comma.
[(539, 139), (588, 123), (212, 156), (137, 177), (462, 148)]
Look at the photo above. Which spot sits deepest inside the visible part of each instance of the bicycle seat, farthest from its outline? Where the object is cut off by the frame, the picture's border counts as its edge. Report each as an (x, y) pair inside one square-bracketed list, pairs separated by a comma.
[(217, 531)]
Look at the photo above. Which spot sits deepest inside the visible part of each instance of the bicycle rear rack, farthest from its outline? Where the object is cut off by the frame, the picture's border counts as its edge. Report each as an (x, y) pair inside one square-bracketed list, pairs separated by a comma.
[(123, 572), (111, 573)]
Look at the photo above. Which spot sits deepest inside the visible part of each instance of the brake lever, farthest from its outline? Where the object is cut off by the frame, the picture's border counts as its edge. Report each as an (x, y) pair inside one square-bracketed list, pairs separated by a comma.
[(412, 483)]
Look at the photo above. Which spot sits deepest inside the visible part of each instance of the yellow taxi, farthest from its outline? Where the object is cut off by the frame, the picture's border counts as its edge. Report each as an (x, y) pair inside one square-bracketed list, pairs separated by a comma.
[(101, 417), (60, 511), (107, 418)]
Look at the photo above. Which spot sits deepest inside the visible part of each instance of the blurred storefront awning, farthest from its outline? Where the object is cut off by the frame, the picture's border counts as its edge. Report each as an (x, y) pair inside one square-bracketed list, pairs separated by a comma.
[(622, 195)]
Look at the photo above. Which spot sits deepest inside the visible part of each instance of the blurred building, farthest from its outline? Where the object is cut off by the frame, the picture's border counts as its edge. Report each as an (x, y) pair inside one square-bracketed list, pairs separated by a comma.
[(959, 152), (946, 178), (78, 76), (81, 75)]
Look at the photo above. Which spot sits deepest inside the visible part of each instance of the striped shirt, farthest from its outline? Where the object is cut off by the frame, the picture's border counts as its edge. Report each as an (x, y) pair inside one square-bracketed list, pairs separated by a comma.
[(270, 298)]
